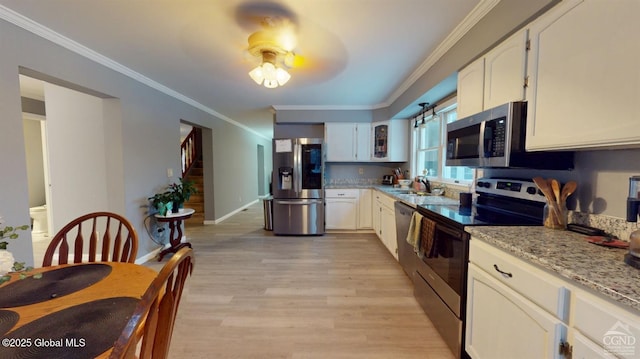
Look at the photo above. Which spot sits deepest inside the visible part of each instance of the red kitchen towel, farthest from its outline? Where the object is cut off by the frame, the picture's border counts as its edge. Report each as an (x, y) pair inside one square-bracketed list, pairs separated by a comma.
[(427, 231), (608, 242)]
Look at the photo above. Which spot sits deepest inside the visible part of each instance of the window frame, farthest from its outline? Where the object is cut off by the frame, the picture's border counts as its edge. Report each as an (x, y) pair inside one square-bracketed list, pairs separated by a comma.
[(441, 111)]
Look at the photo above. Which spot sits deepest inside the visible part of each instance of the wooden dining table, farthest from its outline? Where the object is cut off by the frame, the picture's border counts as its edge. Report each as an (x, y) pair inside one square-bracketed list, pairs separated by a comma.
[(73, 310)]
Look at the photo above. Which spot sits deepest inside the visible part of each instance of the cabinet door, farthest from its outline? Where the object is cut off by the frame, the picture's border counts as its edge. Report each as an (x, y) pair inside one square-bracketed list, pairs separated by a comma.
[(340, 139), (340, 213), (504, 71), (363, 142), (503, 324), (377, 214), (380, 145), (390, 141), (470, 89), (607, 324), (388, 230), (584, 82), (583, 348), (365, 209)]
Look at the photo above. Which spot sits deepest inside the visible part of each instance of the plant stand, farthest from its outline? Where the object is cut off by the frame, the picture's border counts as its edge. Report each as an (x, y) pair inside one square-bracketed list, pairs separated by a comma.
[(175, 225)]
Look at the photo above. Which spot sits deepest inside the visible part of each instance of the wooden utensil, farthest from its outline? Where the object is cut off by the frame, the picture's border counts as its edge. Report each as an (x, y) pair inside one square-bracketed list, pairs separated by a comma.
[(544, 187), (553, 220), (555, 186), (567, 190)]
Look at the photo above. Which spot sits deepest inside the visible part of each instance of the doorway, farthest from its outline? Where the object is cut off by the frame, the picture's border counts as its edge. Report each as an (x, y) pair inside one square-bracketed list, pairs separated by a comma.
[(69, 169)]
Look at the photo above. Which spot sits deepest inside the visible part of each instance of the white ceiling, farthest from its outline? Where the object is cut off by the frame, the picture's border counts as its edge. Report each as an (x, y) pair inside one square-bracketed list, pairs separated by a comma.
[(360, 54)]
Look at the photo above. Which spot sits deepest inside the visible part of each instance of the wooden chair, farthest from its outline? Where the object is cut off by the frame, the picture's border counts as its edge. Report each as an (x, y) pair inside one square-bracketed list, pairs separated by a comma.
[(114, 233), (148, 332)]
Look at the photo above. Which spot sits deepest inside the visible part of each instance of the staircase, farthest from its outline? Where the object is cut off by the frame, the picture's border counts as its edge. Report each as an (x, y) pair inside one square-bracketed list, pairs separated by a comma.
[(191, 154), (196, 201)]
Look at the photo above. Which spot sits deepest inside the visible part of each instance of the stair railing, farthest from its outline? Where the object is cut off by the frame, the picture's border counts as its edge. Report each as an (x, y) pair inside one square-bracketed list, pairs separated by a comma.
[(188, 151)]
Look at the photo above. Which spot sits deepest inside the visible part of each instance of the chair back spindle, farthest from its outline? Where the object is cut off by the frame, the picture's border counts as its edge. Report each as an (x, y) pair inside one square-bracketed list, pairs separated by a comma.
[(118, 243)]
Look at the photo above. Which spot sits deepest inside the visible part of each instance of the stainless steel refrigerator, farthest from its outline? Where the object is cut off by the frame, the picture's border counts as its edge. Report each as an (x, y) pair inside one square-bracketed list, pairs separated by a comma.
[(298, 193)]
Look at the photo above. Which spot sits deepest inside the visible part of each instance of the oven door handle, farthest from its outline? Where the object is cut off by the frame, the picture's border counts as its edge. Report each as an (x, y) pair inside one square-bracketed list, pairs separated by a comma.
[(452, 232)]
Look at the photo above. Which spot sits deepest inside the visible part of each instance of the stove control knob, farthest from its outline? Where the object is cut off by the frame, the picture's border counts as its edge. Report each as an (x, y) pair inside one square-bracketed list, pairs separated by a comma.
[(484, 184), (532, 190)]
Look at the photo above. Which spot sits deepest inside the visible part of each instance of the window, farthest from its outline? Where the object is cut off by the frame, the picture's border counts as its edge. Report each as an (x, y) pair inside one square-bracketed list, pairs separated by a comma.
[(429, 150)]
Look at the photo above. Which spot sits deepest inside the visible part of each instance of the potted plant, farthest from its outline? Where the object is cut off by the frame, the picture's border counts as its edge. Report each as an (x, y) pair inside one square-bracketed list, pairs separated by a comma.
[(162, 202), (181, 192)]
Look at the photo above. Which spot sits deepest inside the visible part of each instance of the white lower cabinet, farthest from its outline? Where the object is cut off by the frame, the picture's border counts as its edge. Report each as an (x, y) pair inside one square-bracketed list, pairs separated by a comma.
[(518, 310), (514, 310), (504, 324), (341, 208), (365, 208), (583, 348), (384, 221), (348, 209), (602, 329)]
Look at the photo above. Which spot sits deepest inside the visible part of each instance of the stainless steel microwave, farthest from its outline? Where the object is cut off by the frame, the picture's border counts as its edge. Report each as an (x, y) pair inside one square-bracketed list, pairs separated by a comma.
[(496, 138)]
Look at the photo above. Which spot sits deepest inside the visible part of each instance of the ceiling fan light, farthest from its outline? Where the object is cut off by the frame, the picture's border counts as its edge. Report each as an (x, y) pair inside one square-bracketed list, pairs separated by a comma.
[(282, 76), (269, 70), (270, 83), (257, 75)]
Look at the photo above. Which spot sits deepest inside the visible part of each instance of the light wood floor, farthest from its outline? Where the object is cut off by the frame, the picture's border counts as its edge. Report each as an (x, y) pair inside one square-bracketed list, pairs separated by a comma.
[(255, 295)]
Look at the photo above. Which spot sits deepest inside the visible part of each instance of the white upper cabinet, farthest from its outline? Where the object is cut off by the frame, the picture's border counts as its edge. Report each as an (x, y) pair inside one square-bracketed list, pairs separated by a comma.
[(584, 82), (347, 142), (504, 71), (471, 89), (390, 141), (494, 79)]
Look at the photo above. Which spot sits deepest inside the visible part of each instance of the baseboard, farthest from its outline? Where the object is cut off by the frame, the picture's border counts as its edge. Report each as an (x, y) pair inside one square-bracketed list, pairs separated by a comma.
[(149, 256), (154, 253), (232, 213), (354, 231)]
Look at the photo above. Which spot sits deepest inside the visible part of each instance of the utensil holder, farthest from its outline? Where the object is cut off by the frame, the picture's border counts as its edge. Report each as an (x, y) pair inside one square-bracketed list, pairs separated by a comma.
[(555, 216)]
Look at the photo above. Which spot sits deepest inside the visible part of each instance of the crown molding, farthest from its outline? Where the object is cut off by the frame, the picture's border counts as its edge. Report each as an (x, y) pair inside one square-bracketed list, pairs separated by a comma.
[(322, 107), (58, 39)]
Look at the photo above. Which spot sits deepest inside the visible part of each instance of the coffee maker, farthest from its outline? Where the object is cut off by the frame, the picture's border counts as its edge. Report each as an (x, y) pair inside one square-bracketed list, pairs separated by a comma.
[(633, 207)]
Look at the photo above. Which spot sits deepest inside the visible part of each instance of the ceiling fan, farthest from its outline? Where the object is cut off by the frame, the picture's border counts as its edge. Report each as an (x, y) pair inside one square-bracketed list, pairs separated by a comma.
[(273, 38), (273, 43)]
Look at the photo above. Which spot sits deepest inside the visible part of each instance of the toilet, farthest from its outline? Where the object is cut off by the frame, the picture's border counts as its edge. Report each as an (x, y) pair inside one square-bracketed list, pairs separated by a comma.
[(39, 216)]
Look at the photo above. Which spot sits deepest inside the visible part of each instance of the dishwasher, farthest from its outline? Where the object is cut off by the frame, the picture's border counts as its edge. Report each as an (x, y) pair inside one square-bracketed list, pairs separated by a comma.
[(406, 254)]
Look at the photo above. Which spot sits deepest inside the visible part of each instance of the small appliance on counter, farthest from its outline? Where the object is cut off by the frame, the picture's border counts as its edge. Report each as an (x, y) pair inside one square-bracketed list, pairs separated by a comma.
[(633, 207), (387, 180)]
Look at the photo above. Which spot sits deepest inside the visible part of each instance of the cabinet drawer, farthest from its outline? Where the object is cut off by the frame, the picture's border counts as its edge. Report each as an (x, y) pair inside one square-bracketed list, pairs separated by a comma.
[(605, 323), (385, 200), (341, 193), (531, 282)]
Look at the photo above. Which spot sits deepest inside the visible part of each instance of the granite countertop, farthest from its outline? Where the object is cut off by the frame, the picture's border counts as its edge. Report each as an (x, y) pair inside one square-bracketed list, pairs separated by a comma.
[(569, 255), (402, 194)]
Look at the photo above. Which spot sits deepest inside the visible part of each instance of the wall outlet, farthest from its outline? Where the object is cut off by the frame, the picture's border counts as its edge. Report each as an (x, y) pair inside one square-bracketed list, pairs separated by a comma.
[(360, 170), (169, 172)]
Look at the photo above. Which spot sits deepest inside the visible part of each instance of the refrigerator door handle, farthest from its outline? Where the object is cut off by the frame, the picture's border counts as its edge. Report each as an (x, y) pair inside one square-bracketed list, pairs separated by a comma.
[(297, 172), (301, 202)]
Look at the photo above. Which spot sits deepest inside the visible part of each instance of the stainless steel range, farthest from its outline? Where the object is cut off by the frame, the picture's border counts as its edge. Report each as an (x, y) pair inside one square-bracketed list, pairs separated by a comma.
[(440, 274)]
